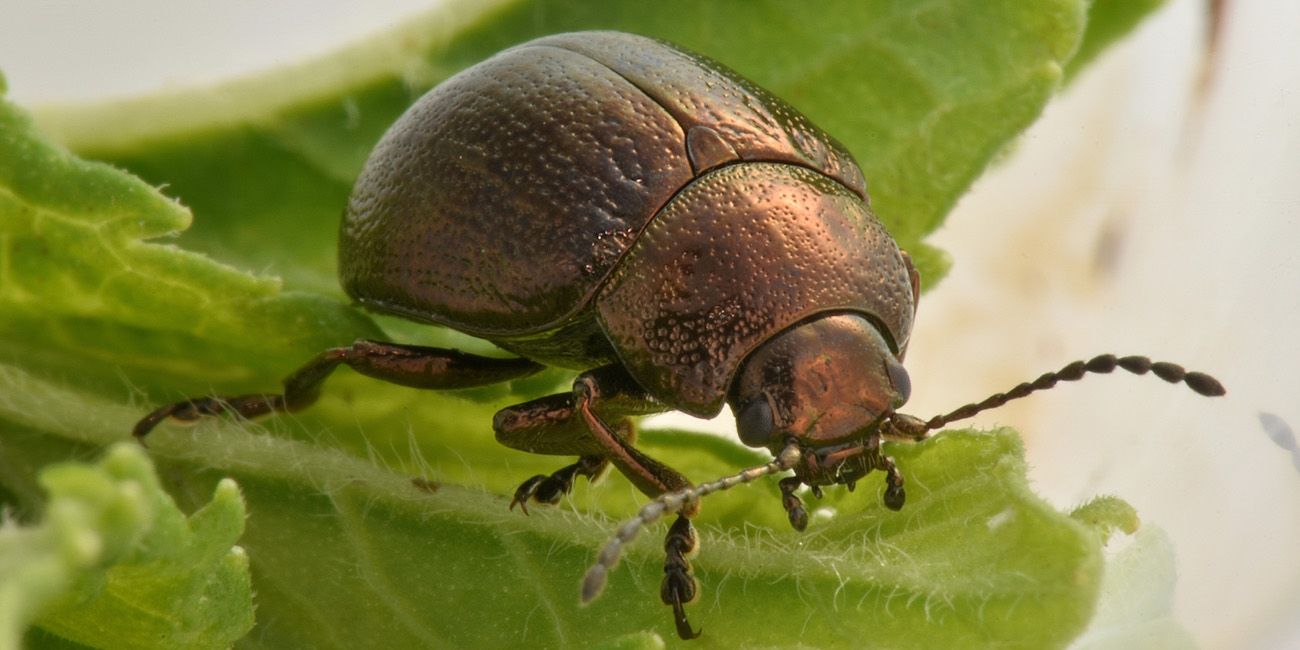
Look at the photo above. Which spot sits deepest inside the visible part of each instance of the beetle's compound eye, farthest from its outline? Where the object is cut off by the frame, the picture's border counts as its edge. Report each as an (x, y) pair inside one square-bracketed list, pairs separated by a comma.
[(755, 424), (901, 380)]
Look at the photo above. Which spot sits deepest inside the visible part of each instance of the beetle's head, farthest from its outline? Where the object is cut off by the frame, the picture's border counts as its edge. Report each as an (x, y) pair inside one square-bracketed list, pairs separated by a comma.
[(820, 396), (826, 384)]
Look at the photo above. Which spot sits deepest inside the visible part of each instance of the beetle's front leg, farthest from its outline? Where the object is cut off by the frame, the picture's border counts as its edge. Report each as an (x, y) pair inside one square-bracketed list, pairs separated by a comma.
[(654, 478), (679, 587), (894, 494), (792, 503)]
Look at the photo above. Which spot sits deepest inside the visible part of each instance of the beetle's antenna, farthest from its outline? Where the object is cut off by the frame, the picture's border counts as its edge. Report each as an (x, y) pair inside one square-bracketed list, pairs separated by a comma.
[(1171, 372), (597, 576)]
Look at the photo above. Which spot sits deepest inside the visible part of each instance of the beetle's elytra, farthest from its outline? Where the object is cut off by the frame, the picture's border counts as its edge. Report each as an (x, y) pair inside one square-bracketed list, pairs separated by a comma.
[(617, 205)]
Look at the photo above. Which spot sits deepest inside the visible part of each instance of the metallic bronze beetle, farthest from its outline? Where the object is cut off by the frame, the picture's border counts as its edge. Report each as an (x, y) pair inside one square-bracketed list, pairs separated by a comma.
[(617, 205)]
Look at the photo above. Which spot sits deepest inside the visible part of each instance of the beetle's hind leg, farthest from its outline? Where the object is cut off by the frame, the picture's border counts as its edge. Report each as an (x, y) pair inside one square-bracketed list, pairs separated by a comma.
[(679, 586), (190, 410), (406, 365)]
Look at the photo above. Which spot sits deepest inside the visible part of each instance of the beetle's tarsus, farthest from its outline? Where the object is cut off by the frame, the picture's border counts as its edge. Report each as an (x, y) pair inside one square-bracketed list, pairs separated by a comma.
[(190, 410), (679, 586), (525, 492), (543, 489), (548, 490), (793, 504), (895, 496), (684, 631)]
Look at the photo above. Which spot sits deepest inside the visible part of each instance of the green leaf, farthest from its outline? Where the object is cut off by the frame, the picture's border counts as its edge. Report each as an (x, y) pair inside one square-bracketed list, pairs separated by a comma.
[(1108, 21), (973, 560), (78, 283), (1107, 515), (377, 517), (113, 547), (1136, 606)]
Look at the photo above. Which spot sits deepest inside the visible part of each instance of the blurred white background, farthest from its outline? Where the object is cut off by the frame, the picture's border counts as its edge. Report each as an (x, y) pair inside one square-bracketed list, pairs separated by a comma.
[(1155, 209)]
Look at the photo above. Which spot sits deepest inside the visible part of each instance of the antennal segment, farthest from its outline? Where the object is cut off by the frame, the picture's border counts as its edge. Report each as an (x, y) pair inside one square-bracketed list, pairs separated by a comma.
[(1103, 364), (598, 575)]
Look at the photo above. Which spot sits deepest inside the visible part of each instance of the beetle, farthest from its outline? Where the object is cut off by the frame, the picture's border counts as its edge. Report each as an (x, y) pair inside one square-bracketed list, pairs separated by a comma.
[(626, 208)]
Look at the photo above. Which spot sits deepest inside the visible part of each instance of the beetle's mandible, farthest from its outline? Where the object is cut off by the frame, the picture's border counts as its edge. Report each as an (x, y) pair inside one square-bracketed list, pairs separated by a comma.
[(620, 206)]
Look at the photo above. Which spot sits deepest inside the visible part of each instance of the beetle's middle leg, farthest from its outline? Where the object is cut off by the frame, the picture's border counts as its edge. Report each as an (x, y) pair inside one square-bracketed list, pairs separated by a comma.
[(577, 424)]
